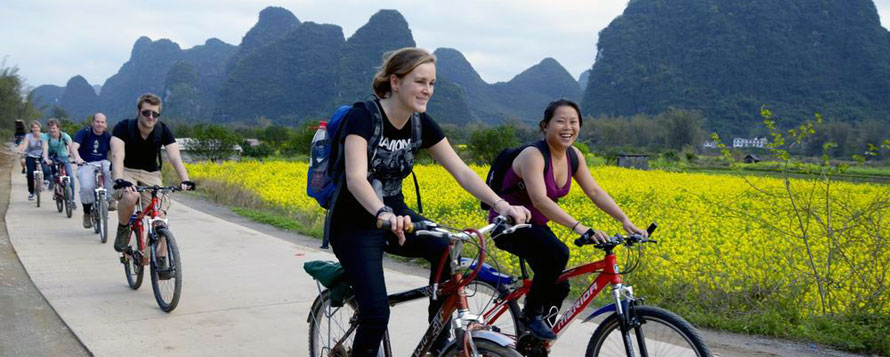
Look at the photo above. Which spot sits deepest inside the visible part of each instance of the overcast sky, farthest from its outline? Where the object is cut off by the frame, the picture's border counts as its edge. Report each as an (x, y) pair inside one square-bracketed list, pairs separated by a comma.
[(51, 41)]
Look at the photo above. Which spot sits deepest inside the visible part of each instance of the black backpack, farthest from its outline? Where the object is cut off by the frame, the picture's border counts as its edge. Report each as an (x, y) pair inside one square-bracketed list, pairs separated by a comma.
[(504, 161)]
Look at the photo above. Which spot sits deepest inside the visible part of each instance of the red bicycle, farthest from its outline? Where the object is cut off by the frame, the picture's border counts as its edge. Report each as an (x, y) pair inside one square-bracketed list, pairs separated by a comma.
[(629, 329), (163, 253)]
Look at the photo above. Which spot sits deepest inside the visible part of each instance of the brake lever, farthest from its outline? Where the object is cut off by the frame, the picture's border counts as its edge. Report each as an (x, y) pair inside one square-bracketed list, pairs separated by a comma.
[(514, 228)]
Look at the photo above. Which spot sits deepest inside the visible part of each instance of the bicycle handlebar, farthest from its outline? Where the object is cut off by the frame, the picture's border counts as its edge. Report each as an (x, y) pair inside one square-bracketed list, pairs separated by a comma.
[(157, 188), (618, 239)]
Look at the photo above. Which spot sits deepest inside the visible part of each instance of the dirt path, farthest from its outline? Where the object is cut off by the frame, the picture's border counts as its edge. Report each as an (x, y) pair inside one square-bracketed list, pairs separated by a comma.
[(29, 327)]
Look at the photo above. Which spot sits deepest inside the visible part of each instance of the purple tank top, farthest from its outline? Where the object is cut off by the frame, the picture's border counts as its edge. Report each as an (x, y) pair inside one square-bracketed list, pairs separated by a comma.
[(520, 197)]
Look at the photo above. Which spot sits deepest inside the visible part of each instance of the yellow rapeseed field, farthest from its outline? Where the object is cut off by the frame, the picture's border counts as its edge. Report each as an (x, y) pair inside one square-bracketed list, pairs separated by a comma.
[(723, 240)]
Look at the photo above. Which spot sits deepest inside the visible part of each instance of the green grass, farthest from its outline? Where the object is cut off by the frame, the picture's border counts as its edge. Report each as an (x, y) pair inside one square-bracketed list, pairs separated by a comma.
[(276, 220)]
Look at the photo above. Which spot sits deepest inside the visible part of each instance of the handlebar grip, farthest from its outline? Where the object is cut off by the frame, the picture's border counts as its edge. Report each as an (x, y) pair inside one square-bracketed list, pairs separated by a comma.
[(412, 227), (580, 242), (652, 228)]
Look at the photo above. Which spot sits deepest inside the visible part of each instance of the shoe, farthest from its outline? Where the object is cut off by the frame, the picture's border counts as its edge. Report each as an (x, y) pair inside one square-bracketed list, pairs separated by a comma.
[(30, 197), (87, 221), (538, 327), (164, 272), (23, 171), (123, 236)]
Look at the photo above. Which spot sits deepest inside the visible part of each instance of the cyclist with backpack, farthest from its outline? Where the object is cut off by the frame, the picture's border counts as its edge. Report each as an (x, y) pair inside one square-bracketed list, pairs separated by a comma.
[(537, 176), (136, 154), (91, 144), (56, 146), (370, 188)]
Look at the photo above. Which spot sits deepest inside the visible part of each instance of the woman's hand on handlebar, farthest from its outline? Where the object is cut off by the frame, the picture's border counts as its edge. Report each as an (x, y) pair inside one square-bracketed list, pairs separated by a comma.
[(631, 228), (520, 214), (399, 224)]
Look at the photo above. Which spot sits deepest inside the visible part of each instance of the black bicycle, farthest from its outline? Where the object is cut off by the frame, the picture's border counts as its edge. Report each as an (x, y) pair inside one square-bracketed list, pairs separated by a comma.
[(332, 321)]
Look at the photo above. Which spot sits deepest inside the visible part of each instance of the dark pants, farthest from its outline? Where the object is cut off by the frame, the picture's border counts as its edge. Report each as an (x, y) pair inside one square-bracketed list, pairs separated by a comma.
[(547, 257), (31, 164), (361, 254)]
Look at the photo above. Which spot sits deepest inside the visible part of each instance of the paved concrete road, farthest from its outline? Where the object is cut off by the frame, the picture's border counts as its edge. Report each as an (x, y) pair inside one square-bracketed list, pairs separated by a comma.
[(28, 325)]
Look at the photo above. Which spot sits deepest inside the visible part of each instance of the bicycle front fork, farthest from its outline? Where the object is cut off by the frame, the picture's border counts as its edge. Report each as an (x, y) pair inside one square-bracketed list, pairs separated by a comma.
[(625, 304)]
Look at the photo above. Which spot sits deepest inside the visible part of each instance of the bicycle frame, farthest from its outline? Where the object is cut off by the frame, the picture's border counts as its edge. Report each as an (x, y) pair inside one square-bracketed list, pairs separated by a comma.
[(608, 276), (137, 223)]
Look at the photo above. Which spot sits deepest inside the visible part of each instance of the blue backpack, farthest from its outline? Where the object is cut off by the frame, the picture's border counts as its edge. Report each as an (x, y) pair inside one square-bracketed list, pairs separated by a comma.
[(322, 184)]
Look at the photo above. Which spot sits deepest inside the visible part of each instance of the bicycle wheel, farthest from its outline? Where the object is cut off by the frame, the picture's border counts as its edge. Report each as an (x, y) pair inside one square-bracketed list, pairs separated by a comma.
[(38, 186), (482, 296), (166, 281), (329, 324), (484, 348), (68, 201), (662, 333), (133, 267), (101, 224), (58, 197)]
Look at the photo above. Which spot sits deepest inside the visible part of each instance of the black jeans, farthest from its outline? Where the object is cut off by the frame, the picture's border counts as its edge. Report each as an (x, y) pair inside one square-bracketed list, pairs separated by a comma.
[(31, 164), (547, 257), (361, 254)]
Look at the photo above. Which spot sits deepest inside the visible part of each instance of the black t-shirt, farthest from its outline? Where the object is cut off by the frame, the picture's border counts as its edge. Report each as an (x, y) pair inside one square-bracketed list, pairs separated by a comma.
[(394, 148), (139, 153)]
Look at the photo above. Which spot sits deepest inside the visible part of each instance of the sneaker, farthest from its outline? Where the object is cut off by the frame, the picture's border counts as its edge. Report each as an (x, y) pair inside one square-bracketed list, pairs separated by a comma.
[(30, 197), (164, 272), (87, 221), (122, 238), (538, 327)]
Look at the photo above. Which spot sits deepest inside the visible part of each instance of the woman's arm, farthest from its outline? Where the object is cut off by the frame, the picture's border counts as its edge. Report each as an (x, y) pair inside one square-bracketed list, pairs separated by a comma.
[(599, 196), (46, 151), (444, 154)]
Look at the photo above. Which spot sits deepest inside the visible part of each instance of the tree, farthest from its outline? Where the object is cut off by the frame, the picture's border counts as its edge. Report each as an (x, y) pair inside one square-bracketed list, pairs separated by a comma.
[(485, 144), (213, 142), (682, 127)]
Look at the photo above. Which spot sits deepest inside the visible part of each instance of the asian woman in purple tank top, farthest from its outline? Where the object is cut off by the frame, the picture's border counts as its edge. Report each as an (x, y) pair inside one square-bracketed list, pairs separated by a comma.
[(544, 252)]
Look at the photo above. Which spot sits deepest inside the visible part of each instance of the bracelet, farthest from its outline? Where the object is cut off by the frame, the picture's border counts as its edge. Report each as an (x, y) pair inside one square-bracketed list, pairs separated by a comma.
[(575, 226), (385, 208), (495, 203)]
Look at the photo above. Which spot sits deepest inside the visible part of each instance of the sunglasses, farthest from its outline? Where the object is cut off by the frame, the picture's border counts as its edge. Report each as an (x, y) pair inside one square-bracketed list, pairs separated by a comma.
[(150, 113)]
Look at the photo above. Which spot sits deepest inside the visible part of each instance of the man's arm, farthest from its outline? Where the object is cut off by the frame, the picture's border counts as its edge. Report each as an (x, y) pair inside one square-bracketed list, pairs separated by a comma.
[(176, 161), (117, 157)]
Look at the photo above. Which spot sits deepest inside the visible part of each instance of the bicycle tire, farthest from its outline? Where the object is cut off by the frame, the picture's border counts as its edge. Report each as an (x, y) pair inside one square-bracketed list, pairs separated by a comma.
[(166, 291), (479, 298), (484, 348), (67, 198), (133, 267), (665, 334), (102, 221), (323, 333), (38, 186), (58, 197)]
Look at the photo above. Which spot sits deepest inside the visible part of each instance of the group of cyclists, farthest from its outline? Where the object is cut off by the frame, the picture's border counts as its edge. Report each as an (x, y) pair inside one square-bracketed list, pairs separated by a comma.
[(403, 86), (128, 156)]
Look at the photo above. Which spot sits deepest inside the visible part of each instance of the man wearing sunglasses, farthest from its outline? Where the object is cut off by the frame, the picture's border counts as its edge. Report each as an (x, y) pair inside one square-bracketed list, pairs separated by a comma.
[(136, 160)]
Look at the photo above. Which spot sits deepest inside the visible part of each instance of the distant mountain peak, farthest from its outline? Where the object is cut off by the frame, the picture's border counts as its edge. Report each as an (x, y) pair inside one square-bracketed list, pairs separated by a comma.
[(273, 23)]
